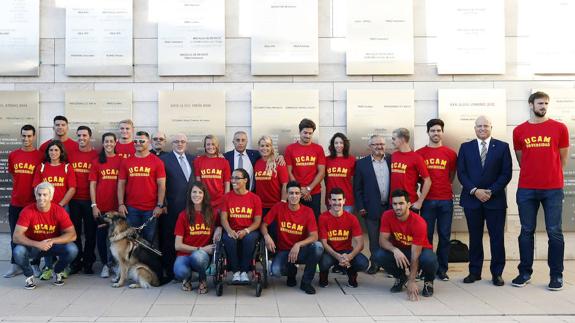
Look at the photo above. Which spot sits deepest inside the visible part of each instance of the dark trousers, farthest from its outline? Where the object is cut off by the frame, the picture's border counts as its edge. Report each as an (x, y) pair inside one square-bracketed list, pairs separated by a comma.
[(372, 225), (495, 219), (272, 228), (166, 225), (13, 215), (315, 204), (427, 262), (83, 220), (439, 212), (358, 263), (102, 244), (308, 256)]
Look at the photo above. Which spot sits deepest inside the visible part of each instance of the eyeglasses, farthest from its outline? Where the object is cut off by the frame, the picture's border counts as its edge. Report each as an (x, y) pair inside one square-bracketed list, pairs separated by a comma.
[(237, 178), (158, 139), (377, 145), (139, 141), (179, 142)]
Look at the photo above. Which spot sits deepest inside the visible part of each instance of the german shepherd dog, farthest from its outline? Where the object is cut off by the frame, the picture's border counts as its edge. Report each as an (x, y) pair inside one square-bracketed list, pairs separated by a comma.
[(136, 263)]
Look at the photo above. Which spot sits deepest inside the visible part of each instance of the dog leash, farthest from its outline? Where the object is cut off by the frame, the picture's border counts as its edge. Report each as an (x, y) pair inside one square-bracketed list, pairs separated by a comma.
[(140, 228), (144, 244)]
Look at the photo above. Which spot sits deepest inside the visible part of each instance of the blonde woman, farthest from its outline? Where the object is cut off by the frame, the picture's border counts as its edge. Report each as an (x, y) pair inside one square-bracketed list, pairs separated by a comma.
[(213, 170)]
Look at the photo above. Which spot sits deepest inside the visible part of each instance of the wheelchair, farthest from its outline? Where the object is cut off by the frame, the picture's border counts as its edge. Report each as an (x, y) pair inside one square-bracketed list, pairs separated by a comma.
[(260, 267)]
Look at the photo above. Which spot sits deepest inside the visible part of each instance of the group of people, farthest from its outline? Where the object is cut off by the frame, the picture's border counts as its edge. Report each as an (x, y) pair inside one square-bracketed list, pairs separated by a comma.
[(186, 204)]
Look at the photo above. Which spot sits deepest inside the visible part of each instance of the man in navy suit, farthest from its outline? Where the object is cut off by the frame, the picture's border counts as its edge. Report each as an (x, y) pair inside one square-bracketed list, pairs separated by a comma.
[(484, 170), (179, 170), (371, 185), (241, 157)]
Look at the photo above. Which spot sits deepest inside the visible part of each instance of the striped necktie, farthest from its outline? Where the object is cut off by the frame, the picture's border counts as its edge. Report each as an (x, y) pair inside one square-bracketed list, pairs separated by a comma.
[(483, 152)]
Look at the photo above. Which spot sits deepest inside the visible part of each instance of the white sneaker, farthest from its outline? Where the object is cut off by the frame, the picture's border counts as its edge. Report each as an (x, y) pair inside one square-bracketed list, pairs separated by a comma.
[(14, 270), (236, 277), (105, 272), (30, 283), (244, 277), (36, 270)]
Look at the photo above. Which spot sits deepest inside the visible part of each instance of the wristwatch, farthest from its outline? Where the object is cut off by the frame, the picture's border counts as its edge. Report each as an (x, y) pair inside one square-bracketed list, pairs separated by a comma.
[(160, 205)]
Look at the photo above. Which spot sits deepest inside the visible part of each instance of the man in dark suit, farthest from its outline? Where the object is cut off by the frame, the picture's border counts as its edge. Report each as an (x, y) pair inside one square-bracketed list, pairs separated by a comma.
[(241, 157), (179, 171), (484, 170), (158, 144), (371, 185)]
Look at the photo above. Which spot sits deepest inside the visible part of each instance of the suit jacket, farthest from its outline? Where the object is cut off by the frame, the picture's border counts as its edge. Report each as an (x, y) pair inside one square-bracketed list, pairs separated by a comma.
[(176, 183), (367, 195), (253, 155), (495, 175)]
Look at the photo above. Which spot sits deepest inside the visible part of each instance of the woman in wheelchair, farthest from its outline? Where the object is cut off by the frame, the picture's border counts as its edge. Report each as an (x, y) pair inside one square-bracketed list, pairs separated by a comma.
[(195, 226), (241, 217)]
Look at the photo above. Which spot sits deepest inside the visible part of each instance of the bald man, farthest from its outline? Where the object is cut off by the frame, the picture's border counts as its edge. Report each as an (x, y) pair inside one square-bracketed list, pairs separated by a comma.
[(484, 170)]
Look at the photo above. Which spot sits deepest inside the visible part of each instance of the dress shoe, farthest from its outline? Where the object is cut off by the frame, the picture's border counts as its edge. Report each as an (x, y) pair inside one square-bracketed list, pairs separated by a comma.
[(373, 269), (498, 281), (471, 278)]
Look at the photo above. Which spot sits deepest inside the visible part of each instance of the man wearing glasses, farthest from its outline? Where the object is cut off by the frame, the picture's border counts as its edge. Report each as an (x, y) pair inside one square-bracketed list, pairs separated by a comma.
[(158, 143), (142, 187)]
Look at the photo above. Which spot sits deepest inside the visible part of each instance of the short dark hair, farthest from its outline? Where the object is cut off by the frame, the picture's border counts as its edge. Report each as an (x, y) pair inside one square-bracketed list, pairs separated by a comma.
[(306, 123), (28, 127), (85, 128), (537, 95), (331, 148), (400, 193), (244, 175), (143, 133), (336, 191), (435, 122), (61, 118), (291, 184)]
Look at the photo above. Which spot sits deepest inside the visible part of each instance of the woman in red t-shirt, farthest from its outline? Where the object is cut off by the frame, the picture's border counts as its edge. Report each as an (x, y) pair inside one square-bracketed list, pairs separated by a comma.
[(103, 193), (339, 170), (213, 170), (194, 244)]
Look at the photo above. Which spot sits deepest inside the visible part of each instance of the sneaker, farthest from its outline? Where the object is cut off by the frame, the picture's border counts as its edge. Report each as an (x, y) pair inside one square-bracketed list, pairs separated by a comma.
[(419, 276), (555, 284), (13, 271), (291, 282), (244, 277), (66, 272), (59, 280), (399, 283), (307, 288), (427, 290), (186, 285), (36, 270), (30, 282), (317, 268), (236, 277), (520, 281), (74, 269), (105, 272), (443, 276), (352, 279), (46, 274), (323, 278)]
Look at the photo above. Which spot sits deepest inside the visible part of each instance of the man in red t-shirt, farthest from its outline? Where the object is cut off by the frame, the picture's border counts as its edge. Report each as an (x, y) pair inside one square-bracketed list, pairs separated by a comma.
[(61, 133), (542, 148), (21, 165), (306, 164), (297, 239), (441, 162), (342, 240), (125, 146), (80, 204), (142, 187), (407, 167), (405, 248), (44, 229)]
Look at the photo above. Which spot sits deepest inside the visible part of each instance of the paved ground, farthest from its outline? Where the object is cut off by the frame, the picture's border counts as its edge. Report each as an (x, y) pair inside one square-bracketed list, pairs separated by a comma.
[(91, 299)]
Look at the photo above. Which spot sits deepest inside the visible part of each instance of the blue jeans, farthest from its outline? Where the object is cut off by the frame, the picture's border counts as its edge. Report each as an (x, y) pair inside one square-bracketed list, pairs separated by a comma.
[(427, 262), (66, 253), (197, 261), (440, 212), (358, 263), (308, 255), (528, 201), (138, 217), (237, 261)]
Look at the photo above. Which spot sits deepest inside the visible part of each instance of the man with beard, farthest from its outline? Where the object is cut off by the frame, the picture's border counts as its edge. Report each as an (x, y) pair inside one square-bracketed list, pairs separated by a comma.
[(61, 133)]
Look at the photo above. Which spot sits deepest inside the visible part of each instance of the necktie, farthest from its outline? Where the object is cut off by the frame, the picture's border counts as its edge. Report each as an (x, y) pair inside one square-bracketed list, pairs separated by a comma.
[(184, 167), (483, 152), (241, 161)]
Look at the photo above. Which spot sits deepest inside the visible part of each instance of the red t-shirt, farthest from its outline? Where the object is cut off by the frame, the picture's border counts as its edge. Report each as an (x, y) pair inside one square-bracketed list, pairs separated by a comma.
[(21, 164), (304, 160), (141, 175), (69, 145), (406, 168), (541, 160), (292, 226), (197, 235), (125, 150), (213, 172), (81, 161), (268, 183), (338, 173), (61, 176), (44, 225), (339, 230), (404, 234), (440, 161), (106, 178), (242, 209)]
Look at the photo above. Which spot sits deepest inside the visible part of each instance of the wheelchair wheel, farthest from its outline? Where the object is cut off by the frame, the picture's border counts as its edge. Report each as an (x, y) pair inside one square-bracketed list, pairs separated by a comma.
[(219, 289), (265, 261)]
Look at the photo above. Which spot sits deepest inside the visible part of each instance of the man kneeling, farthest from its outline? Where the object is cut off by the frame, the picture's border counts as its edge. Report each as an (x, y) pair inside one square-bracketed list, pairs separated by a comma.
[(44, 229), (404, 247), (297, 239), (342, 240)]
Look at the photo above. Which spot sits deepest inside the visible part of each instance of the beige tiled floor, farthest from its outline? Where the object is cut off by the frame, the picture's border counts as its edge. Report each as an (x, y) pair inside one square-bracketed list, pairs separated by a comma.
[(91, 299)]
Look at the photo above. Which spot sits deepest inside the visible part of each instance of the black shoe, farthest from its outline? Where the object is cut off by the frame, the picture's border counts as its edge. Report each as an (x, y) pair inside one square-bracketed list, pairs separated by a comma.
[(337, 269), (520, 281), (323, 278), (75, 268), (442, 276), (291, 282), (471, 278), (307, 288), (88, 269), (498, 281), (373, 269), (399, 283), (352, 279), (555, 284), (427, 290)]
